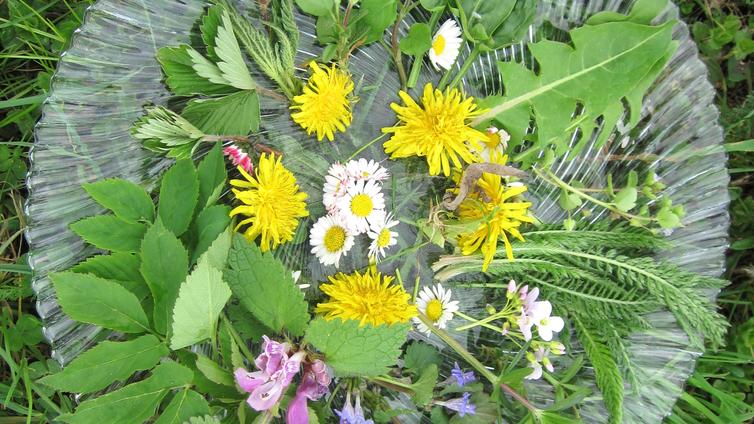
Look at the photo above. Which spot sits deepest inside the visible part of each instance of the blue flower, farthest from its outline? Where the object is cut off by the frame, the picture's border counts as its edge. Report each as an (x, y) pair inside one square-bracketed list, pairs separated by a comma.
[(462, 378), (461, 405), (351, 414)]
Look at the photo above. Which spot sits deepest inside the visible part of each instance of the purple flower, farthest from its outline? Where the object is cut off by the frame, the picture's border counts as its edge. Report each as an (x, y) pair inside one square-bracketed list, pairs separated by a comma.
[(276, 371), (310, 388), (461, 405), (351, 414), (462, 378)]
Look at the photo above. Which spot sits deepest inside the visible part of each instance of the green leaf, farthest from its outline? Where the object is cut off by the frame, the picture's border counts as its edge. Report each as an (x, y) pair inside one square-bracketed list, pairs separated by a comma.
[(433, 5), (212, 177), (93, 300), (235, 114), (625, 199), (591, 74), (568, 201), (210, 224), (178, 196), (184, 405), (352, 350), (375, 16), (108, 232), (317, 7), (214, 372), (423, 388), (210, 22), (164, 131), (497, 24), (200, 300), (231, 64), (122, 268), (266, 288), (182, 78), (134, 403), (126, 199), (419, 356), (164, 265), (106, 363), (668, 219), (642, 12), (207, 419), (418, 41)]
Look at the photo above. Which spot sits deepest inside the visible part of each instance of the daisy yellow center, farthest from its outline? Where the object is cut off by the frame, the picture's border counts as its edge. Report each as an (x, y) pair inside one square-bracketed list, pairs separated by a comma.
[(434, 310), (369, 298), (383, 239), (439, 44), (324, 106), (335, 239), (361, 205), (493, 140)]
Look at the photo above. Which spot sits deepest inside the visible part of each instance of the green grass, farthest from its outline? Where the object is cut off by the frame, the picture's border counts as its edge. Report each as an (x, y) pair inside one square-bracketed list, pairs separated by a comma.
[(34, 32)]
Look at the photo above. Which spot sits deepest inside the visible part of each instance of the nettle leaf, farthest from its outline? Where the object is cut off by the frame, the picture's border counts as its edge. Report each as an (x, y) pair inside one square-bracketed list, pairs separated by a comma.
[(164, 265), (126, 199), (211, 223), (179, 193), (352, 350), (181, 77), (232, 64), (106, 363), (419, 356), (236, 114), (94, 300), (184, 405), (591, 73), (109, 232), (424, 386), (266, 288), (134, 403), (123, 268), (418, 41), (200, 300), (212, 177)]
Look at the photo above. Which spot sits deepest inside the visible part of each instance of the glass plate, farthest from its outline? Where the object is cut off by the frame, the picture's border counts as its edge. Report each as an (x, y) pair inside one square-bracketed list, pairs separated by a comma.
[(109, 73)]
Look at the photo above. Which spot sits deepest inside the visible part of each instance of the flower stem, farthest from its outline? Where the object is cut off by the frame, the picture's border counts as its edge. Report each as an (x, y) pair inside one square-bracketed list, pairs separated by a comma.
[(237, 338), (475, 323), (366, 146), (416, 67), (475, 52)]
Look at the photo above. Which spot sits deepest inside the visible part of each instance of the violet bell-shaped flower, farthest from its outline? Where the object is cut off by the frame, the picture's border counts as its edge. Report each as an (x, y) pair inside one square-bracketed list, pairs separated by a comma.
[(352, 414)]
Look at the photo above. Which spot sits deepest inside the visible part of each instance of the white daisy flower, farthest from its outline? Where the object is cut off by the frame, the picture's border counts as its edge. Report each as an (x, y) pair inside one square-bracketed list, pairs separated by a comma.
[(445, 45), (436, 304), (366, 170), (494, 145), (382, 237), (330, 239), (362, 205), (336, 184)]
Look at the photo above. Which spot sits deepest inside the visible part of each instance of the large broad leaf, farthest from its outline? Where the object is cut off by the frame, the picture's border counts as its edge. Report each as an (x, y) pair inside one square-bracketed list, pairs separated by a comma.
[(231, 64), (236, 114), (266, 288), (123, 268), (106, 363), (200, 300), (592, 73), (126, 199), (164, 265), (352, 350), (134, 403), (109, 232), (179, 192), (184, 405), (212, 176), (93, 300), (211, 223), (374, 17)]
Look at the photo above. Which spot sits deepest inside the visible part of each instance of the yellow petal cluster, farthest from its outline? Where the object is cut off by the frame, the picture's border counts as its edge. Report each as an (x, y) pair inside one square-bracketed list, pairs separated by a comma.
[(324, 107)]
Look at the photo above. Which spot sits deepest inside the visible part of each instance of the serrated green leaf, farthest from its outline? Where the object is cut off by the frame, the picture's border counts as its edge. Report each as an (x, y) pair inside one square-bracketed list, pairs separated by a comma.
[(179, 193), (184, 405), (236, 114), (214, 237), (111, 233), (210, 22), (419, 356), (94, 300), (161, 129), (207, 419), (106, 363), (423, 388), (164, 265), (232, 64), (206, 69), (352, 350), (266, 288), (625, 199), (213, 371), (122, 268), (418, 41), (212, 177), (134, 403), (181, 77), (126, 199), (200, 300)]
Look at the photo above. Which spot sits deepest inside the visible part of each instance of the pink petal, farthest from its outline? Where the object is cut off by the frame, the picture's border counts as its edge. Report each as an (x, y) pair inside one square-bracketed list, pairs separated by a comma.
[(298, 412), (266, 396), (250, 380)]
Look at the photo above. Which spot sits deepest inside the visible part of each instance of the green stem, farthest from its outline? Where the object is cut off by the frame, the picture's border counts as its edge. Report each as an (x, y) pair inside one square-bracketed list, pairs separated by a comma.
[(366, 146), (476, 322), (416, 67), (392, 382), (237, 337), (475, 52)]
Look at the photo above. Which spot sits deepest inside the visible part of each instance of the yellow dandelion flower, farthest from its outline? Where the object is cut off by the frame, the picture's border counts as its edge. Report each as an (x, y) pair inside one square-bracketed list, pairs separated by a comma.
[(497, 215), (437, 130), (369, 298), (325, 104), (272, 202)]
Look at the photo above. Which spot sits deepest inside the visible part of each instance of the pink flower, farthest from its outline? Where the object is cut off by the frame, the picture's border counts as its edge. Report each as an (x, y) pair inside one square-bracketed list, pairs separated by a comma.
[(239, 158), (313, 386)]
